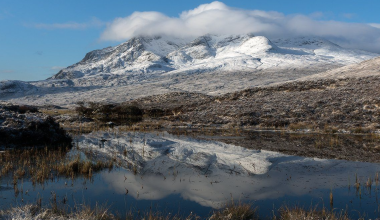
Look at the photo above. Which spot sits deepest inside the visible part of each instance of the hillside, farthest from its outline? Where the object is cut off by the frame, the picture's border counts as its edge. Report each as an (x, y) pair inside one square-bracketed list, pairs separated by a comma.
[(210, 64), (351, 104), (143, 57)]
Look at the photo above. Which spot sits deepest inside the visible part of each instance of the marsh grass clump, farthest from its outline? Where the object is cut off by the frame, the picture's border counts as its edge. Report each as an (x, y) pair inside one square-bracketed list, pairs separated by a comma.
[(234, 211), (75, 167), (298, 213), (20, 172), (319, 143), (43, 164), (368, 184), (329, 129), (55, 112), (110, 164), (331, 199), (97, 213), (37, 212), (6, 168), (160, 216), (299, 126), (84, 212), (360, 130), (134, 169)]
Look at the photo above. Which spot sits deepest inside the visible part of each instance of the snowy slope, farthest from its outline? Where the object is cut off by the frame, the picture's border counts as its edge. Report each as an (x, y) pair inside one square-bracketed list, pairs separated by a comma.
[(141, 54), (11, 87), (209, 64), (210, 53), (367, 68)]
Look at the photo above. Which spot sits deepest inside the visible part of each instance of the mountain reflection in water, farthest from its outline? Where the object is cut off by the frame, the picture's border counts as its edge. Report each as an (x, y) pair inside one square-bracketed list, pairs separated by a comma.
[(211, 173), (198, 175)]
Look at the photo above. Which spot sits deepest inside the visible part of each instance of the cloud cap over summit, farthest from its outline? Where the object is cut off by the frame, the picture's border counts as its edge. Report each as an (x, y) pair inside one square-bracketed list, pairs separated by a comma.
[(218, 18)]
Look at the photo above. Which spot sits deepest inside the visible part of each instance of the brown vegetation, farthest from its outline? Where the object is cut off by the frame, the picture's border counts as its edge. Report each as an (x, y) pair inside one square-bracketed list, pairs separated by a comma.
[(41, 165), (298, 213), (24, 126), (117, 114), (364, 148), (330, 105), (230, 212)]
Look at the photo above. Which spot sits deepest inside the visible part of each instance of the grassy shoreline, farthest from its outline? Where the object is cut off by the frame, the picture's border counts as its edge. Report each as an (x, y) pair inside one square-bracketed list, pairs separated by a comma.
[(231, 211)]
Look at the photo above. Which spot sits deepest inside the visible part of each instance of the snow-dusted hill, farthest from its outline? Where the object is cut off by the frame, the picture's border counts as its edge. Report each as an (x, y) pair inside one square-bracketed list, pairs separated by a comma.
[(138, 55), (209, 64), (367, 68), (147, 55)]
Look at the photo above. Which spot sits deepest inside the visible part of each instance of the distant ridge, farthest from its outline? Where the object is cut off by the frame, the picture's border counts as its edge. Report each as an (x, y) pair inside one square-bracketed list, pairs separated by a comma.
[(210, 64), (158, 55)]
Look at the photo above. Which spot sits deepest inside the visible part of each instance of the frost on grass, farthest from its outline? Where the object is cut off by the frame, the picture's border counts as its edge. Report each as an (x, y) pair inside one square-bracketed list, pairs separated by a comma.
[(34, 212)]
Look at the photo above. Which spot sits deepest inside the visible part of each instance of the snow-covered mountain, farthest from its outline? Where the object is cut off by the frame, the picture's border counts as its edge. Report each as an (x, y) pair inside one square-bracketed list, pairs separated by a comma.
[(209, 64), (138, 55), (210, 53)]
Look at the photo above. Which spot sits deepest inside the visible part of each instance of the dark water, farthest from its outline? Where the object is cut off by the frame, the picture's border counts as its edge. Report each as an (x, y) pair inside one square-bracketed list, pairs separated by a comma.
[(288, 180), (107, 191)]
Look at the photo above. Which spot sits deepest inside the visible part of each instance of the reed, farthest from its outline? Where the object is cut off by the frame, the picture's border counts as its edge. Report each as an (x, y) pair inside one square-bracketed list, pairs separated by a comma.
[(41, 165), (298, 213), (234, 210)]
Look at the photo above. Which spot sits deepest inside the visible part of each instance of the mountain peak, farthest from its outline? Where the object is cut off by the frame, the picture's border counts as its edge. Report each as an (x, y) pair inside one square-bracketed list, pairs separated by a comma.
[(161, 54)]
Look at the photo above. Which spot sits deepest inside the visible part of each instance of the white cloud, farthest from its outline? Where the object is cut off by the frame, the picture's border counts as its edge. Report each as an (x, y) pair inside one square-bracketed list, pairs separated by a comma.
[(94, 22), (374, 25), (218, 18)]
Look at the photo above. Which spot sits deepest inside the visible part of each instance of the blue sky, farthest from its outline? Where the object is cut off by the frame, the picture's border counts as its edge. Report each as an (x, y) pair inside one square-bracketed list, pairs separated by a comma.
[(37, 38)]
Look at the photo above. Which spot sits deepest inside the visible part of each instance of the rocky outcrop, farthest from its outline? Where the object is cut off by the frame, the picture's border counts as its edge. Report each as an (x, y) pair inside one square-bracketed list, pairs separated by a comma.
[(24, 126)]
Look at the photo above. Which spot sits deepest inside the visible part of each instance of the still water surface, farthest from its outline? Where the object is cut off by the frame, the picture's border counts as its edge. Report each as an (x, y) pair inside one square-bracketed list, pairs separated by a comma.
[(179, 174)]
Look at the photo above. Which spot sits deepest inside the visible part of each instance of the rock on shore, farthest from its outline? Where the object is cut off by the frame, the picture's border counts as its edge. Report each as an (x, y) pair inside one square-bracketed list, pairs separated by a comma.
[(24, 126)]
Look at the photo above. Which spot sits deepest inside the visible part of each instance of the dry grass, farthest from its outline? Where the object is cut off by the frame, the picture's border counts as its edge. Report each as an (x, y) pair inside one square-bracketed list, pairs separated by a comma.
[(300, 126), (35, 212), (234, 211), (76, 166), (330, 129), (98, 213), (297, 213), (55, 112), (83, 212), (159, 216), (41, 165)]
